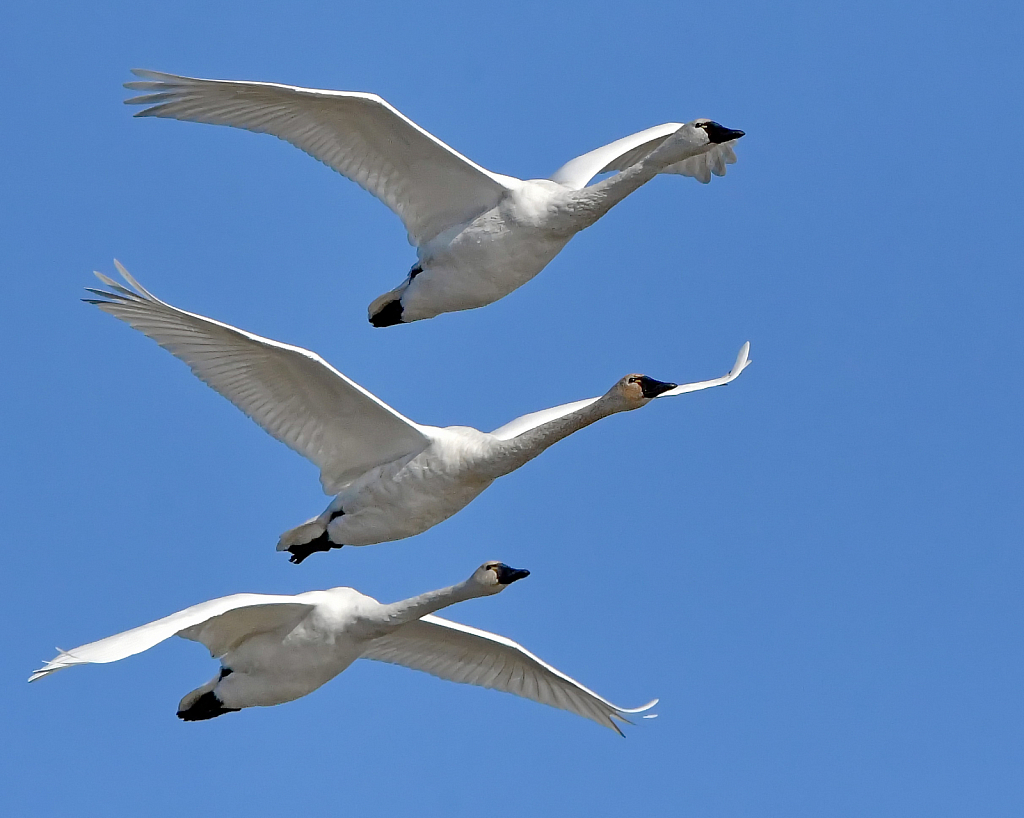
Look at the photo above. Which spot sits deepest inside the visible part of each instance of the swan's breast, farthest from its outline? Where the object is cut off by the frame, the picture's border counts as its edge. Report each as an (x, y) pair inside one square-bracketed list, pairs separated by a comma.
[(404, 498)]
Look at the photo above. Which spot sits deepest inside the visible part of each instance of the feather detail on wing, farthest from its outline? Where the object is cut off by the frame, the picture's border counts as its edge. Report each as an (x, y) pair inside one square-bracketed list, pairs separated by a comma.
[(430, 186), (629, 150), (467, 655), (219, 624), (294, 394)]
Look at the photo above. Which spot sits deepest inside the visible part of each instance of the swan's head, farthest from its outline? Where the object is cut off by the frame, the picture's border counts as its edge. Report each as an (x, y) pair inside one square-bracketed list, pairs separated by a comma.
[(716, 134), (637, 390), (494, 576)]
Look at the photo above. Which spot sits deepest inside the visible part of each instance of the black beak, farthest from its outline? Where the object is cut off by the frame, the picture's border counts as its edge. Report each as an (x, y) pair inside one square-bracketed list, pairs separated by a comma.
[(506, 575), (652, 388), (717, 134)]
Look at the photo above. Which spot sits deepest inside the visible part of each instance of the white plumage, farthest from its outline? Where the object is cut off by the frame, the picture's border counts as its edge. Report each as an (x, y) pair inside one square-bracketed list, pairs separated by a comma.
[(275, 649), (478, 235), (393, 478)]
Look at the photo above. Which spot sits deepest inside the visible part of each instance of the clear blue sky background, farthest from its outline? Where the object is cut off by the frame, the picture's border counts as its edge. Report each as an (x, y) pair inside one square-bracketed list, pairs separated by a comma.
[(818, 569)]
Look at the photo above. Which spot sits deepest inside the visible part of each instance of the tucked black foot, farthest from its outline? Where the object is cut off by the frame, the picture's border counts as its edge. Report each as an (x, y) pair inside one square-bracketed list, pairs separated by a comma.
[(388, 315), (207, 706), (300, 551)]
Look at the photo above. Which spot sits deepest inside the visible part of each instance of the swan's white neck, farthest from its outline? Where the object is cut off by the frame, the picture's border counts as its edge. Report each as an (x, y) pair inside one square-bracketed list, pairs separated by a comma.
[(591, 203), (509, 455), (407, 610)]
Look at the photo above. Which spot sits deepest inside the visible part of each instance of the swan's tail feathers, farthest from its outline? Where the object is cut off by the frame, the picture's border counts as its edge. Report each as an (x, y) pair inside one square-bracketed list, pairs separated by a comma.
[(202, 703), (306, 539)]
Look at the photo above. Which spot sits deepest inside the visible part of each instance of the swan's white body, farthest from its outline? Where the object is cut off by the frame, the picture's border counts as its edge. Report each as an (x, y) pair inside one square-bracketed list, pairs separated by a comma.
[(479, 235), (392, 478), (275, 649)]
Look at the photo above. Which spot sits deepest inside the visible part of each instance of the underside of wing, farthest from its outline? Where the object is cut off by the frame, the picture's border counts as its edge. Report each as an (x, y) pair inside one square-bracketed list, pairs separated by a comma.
[(430, 186), (626, 152), (292, 393), (188, 623), (526, 422), (224, 632), (467, 655)]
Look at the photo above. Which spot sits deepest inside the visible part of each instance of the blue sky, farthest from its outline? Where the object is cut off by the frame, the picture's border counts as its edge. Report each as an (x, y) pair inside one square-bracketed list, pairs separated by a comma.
[(818, 569)]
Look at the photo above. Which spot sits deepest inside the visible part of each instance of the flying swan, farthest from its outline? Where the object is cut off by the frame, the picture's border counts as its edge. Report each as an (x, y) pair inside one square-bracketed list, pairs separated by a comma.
[(478, 235), (392, 478), (276, 649)]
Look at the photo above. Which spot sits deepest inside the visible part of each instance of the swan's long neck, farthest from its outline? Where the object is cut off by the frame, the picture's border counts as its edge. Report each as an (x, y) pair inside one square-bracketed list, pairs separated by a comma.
[(591, 203), (398, 613), (509, 455)]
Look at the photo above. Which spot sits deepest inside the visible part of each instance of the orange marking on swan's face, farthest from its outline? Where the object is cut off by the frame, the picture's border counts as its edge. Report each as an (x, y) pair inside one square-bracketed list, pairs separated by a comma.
[(632, 389)]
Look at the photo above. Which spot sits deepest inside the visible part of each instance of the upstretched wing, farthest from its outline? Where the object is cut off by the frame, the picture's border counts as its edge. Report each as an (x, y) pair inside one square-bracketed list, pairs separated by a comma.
[(219, 624), (427, 184), (629, 150), (294, 394), (463, 654), (742, 362), (535, 419)]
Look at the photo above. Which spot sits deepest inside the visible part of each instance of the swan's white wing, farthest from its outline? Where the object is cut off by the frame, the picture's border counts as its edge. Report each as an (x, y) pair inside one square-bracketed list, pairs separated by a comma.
[(427, 184), (535, 419), (629, 150), (742, 362), (219, 624), (463, 654), (292, 393)]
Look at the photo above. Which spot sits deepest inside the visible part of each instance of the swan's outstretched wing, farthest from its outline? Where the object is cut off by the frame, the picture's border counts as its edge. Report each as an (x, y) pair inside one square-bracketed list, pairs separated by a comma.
[(535, 419), (629, 150), (220, 624), (293, 393), (742, 362), (463, 654), (430, 186)]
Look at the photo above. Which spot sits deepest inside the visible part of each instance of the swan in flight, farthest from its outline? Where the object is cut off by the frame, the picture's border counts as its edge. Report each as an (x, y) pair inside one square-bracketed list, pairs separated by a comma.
[(478, 235), (392, 478), (276, 649)]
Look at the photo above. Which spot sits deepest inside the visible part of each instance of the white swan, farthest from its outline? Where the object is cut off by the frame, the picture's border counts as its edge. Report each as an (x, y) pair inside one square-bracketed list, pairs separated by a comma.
[(275, 649), (478, 235), (393, 478)]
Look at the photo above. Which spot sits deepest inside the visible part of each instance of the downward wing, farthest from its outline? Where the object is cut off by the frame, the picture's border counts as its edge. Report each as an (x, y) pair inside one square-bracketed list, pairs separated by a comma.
[(294, 394), (463, 654), (629, 150), (219, 624), (535, 419), (427, 184)]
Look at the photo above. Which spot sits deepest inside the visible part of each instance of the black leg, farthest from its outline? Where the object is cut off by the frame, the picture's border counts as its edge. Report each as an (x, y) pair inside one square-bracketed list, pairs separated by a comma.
[(300, 551)]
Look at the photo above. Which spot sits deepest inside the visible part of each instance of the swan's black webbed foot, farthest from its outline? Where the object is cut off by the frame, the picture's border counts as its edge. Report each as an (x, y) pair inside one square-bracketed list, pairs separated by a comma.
[(300, 551), (388, 315), (207, 706)]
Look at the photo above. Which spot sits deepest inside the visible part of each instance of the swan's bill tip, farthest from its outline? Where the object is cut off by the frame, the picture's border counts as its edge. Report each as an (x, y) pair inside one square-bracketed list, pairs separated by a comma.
[(508, 575), (652, 388)]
